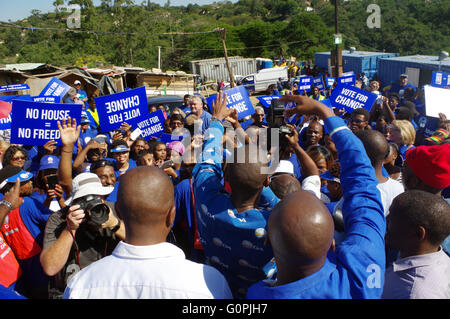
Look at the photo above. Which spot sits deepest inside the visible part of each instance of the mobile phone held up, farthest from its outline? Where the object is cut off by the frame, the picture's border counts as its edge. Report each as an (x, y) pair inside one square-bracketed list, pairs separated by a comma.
[(52, 180)]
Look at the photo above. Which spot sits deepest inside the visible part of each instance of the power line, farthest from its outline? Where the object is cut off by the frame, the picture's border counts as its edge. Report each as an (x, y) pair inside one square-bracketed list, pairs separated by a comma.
[(243, 48), (2, 25)]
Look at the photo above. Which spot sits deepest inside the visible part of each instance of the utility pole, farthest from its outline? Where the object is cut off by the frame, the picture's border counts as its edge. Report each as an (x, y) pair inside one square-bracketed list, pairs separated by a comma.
[(230, 70), (337, 61), (159, 57)]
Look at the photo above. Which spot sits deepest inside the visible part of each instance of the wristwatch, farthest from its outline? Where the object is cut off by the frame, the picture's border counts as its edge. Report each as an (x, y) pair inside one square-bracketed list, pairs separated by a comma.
[(5, 202), (116, 228)]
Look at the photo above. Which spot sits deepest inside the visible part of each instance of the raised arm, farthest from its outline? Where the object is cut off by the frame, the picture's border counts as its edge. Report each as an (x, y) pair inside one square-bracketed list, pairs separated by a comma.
[(69, 135), (362, 252)]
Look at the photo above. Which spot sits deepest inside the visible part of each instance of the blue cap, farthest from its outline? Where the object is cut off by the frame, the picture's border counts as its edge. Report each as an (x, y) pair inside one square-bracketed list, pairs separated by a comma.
[(328, 177), (120, 148), (84, 118), (49, 161), (23, 176)]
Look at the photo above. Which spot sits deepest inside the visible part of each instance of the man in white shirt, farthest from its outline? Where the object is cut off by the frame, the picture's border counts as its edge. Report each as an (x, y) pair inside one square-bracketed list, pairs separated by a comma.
[(377, 149), (417, 225), (145, 265)]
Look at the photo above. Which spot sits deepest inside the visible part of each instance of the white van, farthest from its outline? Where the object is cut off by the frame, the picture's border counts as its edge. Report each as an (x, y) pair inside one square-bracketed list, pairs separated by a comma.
[(260, 81)]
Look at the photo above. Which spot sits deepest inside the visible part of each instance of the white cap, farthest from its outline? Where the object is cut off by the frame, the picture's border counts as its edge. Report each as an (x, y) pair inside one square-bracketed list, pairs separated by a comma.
[(285, 167), (76, 82), (87, 184)]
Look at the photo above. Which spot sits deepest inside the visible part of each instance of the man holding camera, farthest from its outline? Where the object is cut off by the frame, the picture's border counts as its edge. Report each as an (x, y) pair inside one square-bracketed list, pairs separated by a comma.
[(86, 231), (83, 232)]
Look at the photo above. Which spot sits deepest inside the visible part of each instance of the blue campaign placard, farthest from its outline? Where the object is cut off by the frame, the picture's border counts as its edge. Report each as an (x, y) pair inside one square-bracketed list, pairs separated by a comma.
[(347, 79), (167, 138), (151, 124), (5, 123), (238, 99), (115, 109), (55, 87), (351, 98), (14, 87), (266, 100), (46, 99), (327, 102), (318, 83), (440, 79), (305, 83), (330, 81), (35, 123), (210, 100)]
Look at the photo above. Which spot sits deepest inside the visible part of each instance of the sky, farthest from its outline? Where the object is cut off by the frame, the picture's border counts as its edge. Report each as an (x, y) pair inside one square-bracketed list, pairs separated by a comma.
[(22, 8)]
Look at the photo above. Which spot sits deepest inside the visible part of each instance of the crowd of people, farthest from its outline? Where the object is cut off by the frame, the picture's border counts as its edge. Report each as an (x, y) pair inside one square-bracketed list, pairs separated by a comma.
[(348, 205)]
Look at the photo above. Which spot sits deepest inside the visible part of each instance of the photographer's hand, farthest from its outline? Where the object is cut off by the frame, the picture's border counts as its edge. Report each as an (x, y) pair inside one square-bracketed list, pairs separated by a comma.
[(292, 139), (74, 218), (112, 222)]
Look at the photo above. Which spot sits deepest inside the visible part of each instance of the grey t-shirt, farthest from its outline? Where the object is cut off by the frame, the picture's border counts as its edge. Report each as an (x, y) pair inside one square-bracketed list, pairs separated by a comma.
[(91, 244)]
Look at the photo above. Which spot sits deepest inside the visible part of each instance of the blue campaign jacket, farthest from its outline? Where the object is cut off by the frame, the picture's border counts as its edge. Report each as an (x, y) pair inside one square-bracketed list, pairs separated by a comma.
[(233, 242), (356, 269)]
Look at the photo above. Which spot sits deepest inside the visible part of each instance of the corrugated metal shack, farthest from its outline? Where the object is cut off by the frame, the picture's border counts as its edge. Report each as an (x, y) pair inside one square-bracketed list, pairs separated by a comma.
[(418, 67), (169, 82), (216, 69), (356, 61)]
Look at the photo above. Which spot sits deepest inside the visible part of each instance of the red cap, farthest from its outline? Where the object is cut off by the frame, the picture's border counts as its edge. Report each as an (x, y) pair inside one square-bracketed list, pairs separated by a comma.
[(431, 164)]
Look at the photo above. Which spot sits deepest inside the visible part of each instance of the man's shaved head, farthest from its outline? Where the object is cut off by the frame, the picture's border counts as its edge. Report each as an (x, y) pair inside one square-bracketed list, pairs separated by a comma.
[(284, 184), (300, 230), (375, 144), (145, 199), (245, 173)]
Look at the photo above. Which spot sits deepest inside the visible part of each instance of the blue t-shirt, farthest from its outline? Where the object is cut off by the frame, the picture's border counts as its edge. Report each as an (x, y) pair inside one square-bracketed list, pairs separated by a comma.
[(117, 172), (206, 118), (233, 242), (356, 269)]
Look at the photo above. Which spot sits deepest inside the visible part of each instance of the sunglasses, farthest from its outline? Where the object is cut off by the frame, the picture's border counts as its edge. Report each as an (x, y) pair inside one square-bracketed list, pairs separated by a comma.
[(101, 163), (19, 158)]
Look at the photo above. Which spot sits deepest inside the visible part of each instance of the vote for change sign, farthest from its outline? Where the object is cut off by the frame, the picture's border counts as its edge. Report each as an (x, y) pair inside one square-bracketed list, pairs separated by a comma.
[(34, 123), (351, 98), (151, 124), (237, 98), (115, 109), (55, 87)]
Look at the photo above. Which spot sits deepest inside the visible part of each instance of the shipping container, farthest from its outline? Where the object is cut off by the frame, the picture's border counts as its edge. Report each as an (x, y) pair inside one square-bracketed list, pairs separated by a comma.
[(216, 69), (356, 61), (418, 67)]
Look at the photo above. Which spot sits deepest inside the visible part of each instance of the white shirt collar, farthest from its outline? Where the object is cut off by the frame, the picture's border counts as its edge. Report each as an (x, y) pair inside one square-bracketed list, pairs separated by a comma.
[(162, 250), (416, 261)]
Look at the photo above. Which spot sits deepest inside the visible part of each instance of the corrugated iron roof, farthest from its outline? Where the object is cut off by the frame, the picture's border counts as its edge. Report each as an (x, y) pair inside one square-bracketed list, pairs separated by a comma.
[(24, 66), (427, 59)]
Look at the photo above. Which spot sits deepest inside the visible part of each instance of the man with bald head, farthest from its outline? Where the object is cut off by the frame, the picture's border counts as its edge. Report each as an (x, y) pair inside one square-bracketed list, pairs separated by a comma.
[(300, 228), (144, 265), (377, 148)]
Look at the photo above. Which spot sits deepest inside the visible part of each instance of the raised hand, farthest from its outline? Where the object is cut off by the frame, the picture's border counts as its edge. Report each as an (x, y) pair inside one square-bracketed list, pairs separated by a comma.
[(220, 109), (69, 131)]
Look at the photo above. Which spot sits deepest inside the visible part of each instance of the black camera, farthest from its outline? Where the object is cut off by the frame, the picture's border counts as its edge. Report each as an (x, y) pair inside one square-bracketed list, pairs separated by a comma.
[(94, 208), (276, 120)]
